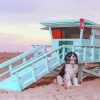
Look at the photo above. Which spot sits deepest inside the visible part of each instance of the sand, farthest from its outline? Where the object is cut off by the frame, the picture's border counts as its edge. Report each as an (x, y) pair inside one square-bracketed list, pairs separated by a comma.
[(45, 89)]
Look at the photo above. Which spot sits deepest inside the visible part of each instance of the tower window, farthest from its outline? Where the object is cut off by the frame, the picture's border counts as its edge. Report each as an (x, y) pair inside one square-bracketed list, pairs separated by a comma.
[(86, 33)]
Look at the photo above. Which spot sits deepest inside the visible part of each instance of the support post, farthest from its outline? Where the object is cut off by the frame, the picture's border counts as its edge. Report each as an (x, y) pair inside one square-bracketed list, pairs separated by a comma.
[(10, 68), (58, 58), (81, 33), (80, 72), (63, 54), (93, 55), (46, 64), (84, 54)]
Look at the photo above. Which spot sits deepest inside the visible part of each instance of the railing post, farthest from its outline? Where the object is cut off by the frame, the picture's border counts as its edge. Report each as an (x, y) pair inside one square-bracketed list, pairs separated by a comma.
[(73, 48), (24, 60), (58, 58), (10, 68), (34, 72), (93, 54), (46, 63), (99, 54), (63, 54), (18, 80), (35, 53), (84, 54), (44, 48), (80, 72)]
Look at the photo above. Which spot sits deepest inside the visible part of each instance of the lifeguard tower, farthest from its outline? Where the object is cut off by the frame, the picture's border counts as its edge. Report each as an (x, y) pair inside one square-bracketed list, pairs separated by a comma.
[(81, 36), (79, 33)]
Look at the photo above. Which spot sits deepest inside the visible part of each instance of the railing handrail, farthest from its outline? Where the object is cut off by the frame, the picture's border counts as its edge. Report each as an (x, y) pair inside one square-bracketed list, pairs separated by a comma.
[(33, 50), (35, 60), (43, 56), (82, 46), (21, 56), (28, 63)]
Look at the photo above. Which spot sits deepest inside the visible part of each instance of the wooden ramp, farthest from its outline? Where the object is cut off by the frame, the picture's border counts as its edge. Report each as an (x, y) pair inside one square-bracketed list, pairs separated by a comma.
[(19, 72), (16, 78)]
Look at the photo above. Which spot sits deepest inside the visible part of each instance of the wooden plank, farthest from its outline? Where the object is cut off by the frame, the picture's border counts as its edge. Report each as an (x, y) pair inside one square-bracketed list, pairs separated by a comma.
[(86, 74), (91, 65), (90, 72)]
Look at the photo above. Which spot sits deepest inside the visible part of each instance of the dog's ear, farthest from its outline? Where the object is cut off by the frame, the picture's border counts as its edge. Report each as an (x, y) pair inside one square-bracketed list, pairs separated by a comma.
[(67, 58), (76, 61)]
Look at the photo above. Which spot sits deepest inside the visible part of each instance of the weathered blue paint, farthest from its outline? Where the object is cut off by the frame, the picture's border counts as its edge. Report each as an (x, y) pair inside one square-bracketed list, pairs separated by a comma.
[(94, 37), (92, 40), (29, 71)]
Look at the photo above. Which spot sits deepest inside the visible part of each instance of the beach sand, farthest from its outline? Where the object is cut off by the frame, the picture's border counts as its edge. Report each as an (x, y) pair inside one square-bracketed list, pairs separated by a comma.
[(45, 89)]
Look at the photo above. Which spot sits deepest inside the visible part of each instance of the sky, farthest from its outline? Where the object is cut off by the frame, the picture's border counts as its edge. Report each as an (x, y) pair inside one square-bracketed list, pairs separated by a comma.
[(20, 26)]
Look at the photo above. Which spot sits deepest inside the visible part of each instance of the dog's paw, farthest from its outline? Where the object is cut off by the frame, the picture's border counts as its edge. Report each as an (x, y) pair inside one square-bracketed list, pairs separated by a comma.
[(54, 81)]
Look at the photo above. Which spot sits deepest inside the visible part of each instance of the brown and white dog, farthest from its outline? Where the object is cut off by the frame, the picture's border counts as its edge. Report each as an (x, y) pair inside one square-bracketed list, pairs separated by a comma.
[(69, 72)]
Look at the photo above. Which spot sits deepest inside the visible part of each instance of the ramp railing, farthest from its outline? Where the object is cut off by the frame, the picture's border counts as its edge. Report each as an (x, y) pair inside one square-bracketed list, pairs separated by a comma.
[(85, 53), (20, 60), (32, 70)]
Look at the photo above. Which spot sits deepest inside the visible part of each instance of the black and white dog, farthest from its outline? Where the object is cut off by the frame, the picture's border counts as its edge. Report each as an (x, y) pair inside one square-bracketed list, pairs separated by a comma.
[(69, 72)]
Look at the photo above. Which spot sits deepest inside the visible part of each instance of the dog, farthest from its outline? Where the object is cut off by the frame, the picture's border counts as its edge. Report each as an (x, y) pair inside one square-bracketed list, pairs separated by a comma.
[(69, 72)]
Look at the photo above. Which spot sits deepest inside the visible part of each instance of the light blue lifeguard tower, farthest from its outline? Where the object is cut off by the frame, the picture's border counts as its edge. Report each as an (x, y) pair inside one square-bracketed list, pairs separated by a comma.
[(76, 34), (81, 36)]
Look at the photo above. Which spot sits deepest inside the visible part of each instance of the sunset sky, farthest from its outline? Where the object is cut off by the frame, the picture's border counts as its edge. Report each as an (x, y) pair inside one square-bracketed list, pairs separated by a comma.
[(20, 20)]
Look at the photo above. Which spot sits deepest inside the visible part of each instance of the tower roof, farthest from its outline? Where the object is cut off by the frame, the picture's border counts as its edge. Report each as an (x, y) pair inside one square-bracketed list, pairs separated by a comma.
[(70, 23)]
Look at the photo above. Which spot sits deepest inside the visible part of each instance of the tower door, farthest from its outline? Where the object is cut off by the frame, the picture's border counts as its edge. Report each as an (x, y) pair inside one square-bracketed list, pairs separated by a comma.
[(66, 43)]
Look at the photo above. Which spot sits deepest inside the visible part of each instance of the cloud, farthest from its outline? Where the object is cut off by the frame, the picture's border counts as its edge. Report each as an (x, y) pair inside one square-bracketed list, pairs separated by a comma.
[(6, 38), (36, 10), (20, 19), (17, 6), (23, 34)]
